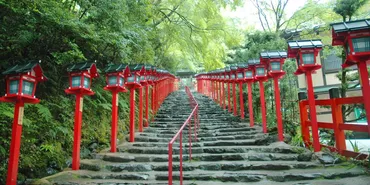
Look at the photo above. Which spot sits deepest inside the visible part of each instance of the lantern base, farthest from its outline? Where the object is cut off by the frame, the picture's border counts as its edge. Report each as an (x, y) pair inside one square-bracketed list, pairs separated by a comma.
[(278, 74), (353, 60), (81, 91), (18, 98), (132, 85), (115, 89), (304, 69), (262, 78), (145, 83)]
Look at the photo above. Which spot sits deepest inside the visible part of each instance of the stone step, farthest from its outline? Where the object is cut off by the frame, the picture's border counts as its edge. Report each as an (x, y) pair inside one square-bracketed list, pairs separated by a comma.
[(98, 165), (270, 177), (127, 157), (210, 150), (166, 138)]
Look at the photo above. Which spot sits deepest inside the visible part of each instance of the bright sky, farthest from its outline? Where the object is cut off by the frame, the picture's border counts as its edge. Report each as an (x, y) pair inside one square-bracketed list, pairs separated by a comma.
[(247, 16)]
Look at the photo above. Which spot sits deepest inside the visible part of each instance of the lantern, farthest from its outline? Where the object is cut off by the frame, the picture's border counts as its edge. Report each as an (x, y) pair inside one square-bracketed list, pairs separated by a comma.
[(80, 77), (274, 61), (242, 67), (354, 36), (115, 77), (134, 81), (21, 81), (305, 52)]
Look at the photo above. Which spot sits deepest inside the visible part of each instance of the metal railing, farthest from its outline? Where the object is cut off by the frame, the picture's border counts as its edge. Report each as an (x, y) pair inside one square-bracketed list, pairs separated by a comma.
[(338, 125), (179, 134)]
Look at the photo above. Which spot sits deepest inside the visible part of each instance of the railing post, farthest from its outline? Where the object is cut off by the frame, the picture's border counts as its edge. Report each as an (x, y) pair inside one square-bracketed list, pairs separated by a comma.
[(181, 158), (170, 163), (304, 117), (336, 112)]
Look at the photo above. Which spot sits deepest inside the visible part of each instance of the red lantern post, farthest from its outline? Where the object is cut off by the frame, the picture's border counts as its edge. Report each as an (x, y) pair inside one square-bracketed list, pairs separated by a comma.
[(132, 83), (233, 69), (275, 61), (21, 81), (261, 76), (241, 79), (80, 77), (150, 77), (115, 79), (354, 36), (249, 78), (306, 53), (228, 80)]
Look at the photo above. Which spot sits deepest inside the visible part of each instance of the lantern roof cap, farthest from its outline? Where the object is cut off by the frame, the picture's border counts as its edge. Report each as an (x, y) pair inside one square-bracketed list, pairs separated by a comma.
[(274, 54), (233, 66), (84, 66), (242, 65), (305, 44), (115, 68), (25, 68), (80, 66), (253, 61), (20, 68), (136, 67), (351, 25)]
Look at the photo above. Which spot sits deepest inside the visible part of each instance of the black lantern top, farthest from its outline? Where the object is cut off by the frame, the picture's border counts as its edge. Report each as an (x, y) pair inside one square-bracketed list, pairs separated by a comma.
[(354, 36), (21, 81), (273, 54)]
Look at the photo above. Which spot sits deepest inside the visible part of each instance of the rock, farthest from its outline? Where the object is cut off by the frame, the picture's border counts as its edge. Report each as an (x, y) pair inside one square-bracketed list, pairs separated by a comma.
[(324, 158), (259, 157), (305, 156)]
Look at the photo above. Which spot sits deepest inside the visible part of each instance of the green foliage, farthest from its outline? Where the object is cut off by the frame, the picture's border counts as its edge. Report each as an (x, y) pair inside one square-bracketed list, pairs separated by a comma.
[(347, 8), (60, 33)]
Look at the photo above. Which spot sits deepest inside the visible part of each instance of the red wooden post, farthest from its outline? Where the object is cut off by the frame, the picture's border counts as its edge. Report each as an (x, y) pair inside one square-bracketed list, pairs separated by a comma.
[(234, 100), (311, 102), (304, 128), (241, 100), (217, 92), (278, 109), (15, 144), (250, 104), (223, 96), (263, 106), (229, 97), (153, 100), (141, 109), (132, 115), (77, 133), (340, 138), (364, 78), (146, 106), (114, 122)]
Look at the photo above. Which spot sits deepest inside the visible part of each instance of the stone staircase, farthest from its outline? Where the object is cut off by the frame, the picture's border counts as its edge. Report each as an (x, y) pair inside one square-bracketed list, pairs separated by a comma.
[(228, 151)]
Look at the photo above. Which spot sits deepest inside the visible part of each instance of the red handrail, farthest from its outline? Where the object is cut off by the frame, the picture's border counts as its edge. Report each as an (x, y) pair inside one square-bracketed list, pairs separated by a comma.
[(337, 125), (194, 115)]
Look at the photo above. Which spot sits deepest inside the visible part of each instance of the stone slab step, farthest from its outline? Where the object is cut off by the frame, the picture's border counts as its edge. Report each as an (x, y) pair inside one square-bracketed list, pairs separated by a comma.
[(99, 165), (126, 157), (211, 150), (272, 177)]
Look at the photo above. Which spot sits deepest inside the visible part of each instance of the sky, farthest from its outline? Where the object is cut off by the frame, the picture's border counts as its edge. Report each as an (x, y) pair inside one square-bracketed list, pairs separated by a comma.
[(246, 16)]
